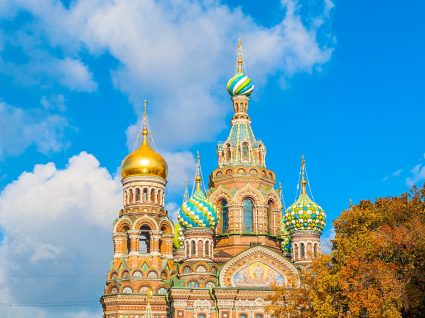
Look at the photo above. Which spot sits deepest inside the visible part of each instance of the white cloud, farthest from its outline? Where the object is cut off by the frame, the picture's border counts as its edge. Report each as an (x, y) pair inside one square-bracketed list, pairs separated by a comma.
[(22, 128), (181, 167), (172, 208), (179, 53), (54, 102), (74, 75), (57, 237), (417, 175)]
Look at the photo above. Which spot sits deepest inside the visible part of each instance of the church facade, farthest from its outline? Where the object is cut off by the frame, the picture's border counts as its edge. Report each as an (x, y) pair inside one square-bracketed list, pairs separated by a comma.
[(231, 243)]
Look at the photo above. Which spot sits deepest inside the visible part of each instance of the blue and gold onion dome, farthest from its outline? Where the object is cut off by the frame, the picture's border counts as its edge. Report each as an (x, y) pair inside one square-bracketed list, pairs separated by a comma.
[(198, 211), (304, 215), (240, 84)]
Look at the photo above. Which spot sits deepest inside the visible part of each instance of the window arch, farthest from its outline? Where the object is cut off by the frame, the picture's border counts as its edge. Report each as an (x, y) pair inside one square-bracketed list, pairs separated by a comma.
[(145, 240), (245, 151), (130, 196), (224, 215), (248, 215), (228, 152), (207, 250), (193, 249), (145, 195), (270, 208), (137, 194), (127, 239), (302, 251)]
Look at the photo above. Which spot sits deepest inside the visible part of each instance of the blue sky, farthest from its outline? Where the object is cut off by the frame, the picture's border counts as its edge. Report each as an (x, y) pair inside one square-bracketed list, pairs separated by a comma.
[(341, 82)]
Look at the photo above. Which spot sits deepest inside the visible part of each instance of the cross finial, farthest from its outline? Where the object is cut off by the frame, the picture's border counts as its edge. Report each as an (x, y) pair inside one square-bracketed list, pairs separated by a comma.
[(303, 181), (145, 120), (198, 171), (186, 192), (239, 67)]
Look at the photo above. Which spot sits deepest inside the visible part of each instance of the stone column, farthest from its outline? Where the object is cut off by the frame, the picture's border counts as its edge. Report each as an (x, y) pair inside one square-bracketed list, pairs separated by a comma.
[(120, 248), (155, 237), (134, 242)]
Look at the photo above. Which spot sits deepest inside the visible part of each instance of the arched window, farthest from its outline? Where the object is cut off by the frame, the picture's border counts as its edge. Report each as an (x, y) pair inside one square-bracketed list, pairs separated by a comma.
[(296, 255), (137, 195), (145, 240), (131, 196), (152, 195), (309, 250), (315, 250), (228, 152), (193, 249), (270, 208), (207, 250), (248, 214), (224, 215), (201, 315), (145, 195), (127, 238), (302, 251), (245, 151), (127, 290)]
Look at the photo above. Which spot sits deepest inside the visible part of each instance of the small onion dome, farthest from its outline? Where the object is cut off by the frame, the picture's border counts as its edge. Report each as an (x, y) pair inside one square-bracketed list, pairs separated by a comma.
[(144, 161), (198, 211), (240, 84), (286, 238), (304, 214), (178, 240)]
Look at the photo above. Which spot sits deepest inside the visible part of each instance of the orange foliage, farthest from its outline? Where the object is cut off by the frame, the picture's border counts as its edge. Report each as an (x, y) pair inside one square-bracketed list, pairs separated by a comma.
[(377, 264)]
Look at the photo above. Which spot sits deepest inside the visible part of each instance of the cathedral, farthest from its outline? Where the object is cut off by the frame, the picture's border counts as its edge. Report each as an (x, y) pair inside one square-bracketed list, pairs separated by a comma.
[(232, 242)]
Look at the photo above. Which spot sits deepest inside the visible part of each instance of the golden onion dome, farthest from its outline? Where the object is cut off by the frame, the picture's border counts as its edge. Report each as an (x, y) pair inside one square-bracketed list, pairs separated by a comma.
[(144, 161)]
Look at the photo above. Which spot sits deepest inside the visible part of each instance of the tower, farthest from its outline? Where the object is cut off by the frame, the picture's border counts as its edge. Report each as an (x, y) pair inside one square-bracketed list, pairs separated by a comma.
[(197, 272), (242, 187), (305, 221), (142, 237)]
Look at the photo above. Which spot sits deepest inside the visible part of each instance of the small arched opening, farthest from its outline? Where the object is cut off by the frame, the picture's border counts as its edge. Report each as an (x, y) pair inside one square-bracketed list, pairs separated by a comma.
[(193, 252), (302, 251), (138, 195), (224, 215), (245, 151), (270, 223), (145, 240), (248, 215)]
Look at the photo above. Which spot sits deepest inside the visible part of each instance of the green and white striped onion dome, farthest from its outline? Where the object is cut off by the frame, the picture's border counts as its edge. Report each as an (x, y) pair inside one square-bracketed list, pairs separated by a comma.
[(198, 211)]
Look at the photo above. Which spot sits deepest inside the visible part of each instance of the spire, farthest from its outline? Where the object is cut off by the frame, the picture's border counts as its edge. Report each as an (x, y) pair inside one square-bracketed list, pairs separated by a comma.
[(186, 192), (303, 181), (239, 66), (198, 172), (145, 122)]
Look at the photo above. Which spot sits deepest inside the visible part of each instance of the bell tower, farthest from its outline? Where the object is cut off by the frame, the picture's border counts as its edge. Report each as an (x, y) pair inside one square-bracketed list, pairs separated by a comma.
[(305, 220), (142, 237)]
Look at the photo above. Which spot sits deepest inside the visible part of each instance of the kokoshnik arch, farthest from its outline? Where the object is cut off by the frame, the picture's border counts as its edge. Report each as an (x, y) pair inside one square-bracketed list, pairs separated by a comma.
[(230, 244)]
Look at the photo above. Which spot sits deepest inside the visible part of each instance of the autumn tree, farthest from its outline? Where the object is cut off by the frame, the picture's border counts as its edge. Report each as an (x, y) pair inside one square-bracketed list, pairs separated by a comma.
[(377, 264)]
